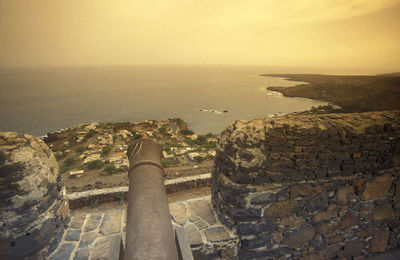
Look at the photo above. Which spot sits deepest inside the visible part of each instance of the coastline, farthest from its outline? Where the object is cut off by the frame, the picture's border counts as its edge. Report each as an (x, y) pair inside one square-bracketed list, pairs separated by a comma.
[(352, 93)]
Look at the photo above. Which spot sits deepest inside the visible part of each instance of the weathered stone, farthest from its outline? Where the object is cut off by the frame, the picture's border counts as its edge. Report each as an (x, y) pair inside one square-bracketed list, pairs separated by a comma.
[(263, 254), (254, 229), (325, 215), (318, 202), (382, 212), (201, 224), (73, 235), (243, 214), (258, 241), (111, 223), (379, 241), (347, 221), (343, 194), (178, 213), (82, 254), (106, 247), (202, 209), (302, 190), (352, 248), (300, 237), (93, 222), (77, 220), (87, 239), (280, 209), (263, 199), (292, 222), (335, 239), (63, 252), (216, 234), (378, 188), (193, 234), (323, 228)]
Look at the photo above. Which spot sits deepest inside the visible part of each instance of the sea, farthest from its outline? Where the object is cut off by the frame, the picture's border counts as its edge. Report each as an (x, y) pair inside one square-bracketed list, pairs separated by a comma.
[(42, 100)]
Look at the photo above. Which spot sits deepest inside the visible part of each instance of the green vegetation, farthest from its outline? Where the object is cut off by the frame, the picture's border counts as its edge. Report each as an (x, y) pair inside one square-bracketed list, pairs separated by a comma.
[(168, 162), (64, 169), (106, 150), (136, 135), (70, 161), (96, 164), (163, 129), (81, 149), (90, 133), (199, 158), (167, 146), (187, 132), (110, 168)]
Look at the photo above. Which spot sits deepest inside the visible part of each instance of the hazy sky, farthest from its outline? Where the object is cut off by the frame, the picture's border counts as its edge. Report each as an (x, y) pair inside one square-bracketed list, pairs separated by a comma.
[(312, 33)]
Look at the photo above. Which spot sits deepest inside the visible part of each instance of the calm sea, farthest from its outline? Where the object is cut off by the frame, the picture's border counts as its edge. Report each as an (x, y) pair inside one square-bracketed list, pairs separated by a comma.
[(38, 101)]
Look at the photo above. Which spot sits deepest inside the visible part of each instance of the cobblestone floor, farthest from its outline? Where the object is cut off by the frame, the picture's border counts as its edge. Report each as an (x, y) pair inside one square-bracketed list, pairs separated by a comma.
[(96, 233)]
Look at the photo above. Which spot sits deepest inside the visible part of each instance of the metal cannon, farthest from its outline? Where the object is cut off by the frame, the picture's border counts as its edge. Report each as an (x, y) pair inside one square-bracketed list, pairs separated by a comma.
[(149, 233)]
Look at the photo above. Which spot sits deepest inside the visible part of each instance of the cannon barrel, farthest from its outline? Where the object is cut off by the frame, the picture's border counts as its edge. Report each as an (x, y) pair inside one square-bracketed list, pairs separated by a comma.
[(149, 233)]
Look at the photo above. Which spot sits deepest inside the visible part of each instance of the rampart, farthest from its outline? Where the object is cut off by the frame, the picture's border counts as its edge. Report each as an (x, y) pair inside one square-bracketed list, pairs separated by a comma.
[(310, 186)]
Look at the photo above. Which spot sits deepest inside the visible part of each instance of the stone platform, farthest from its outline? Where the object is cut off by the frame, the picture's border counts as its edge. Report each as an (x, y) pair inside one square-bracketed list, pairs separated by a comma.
[(94, 233)]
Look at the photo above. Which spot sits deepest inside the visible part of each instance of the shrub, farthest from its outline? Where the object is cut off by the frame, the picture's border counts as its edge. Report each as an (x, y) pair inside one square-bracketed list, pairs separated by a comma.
[(200, 140), (69, 161), (163, 129), (81, 149), (166, 162), (105, 150), (110, 168), (64, 169), (90, 133), (199, 158), (187, 132), (96, 164)]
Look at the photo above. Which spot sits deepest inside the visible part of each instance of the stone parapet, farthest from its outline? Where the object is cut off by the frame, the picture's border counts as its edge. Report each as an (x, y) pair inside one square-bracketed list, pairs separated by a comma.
[(310, 186), (34, 208)]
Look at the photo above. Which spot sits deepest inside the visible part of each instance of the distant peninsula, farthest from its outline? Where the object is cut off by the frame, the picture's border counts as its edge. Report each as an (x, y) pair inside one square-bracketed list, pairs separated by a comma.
[(352, 93)]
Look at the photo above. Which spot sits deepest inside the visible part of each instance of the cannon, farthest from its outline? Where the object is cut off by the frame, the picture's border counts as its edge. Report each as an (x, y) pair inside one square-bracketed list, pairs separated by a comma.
[(149, 233)]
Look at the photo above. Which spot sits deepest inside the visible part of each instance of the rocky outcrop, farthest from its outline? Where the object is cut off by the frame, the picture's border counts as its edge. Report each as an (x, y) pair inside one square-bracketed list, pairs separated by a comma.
[(33, 205), (310, 186)]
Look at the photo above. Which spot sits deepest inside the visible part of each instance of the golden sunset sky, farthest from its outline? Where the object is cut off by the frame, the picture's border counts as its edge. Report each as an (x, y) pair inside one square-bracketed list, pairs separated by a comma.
[(312, 33)]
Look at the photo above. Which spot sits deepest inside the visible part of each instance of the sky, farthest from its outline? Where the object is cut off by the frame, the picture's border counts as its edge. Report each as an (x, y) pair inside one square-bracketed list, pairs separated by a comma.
[(310, 33)]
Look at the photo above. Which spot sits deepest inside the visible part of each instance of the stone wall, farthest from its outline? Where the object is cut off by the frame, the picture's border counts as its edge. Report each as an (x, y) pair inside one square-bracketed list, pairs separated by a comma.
[(34, 208), (311, 186)]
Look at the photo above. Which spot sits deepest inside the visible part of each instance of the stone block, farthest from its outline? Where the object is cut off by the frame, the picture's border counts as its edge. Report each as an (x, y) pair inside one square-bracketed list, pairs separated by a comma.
[(256, 229), (301, 190), (298, 238), (202, 209), (82, 254), (77, 220), (280, 209), (379, 241), (325, 215), (216, 234), (111, 223), (349, 220), (377, 188), (343, 194), (382, 212), (263, 199), (63, 252), (256, 242), (106, 247), (178, 213), (93, 222), (73, 235), (318, 202), (87, 239), (193, 235), (352, 248)]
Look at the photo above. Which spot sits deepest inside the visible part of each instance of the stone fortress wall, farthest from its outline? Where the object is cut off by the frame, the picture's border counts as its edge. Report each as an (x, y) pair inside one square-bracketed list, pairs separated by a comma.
[(33, 203), (311, 187)]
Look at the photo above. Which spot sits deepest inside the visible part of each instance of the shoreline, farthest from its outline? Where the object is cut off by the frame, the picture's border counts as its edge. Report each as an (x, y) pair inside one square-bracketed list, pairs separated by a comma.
[(352, 93)]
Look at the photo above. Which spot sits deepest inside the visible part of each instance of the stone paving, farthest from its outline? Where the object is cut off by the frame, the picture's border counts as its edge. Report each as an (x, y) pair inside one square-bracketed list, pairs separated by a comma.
[(96, 234)]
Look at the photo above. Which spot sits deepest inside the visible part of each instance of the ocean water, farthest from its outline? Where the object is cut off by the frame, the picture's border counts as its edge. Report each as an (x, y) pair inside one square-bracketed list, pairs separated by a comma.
[(41, 100)]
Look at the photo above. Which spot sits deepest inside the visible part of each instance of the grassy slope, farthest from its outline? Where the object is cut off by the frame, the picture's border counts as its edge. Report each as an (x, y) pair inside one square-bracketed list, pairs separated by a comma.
[(351, 93)]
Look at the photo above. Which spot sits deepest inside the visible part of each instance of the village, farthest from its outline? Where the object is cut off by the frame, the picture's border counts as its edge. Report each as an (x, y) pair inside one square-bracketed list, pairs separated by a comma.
[(96, 154)]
